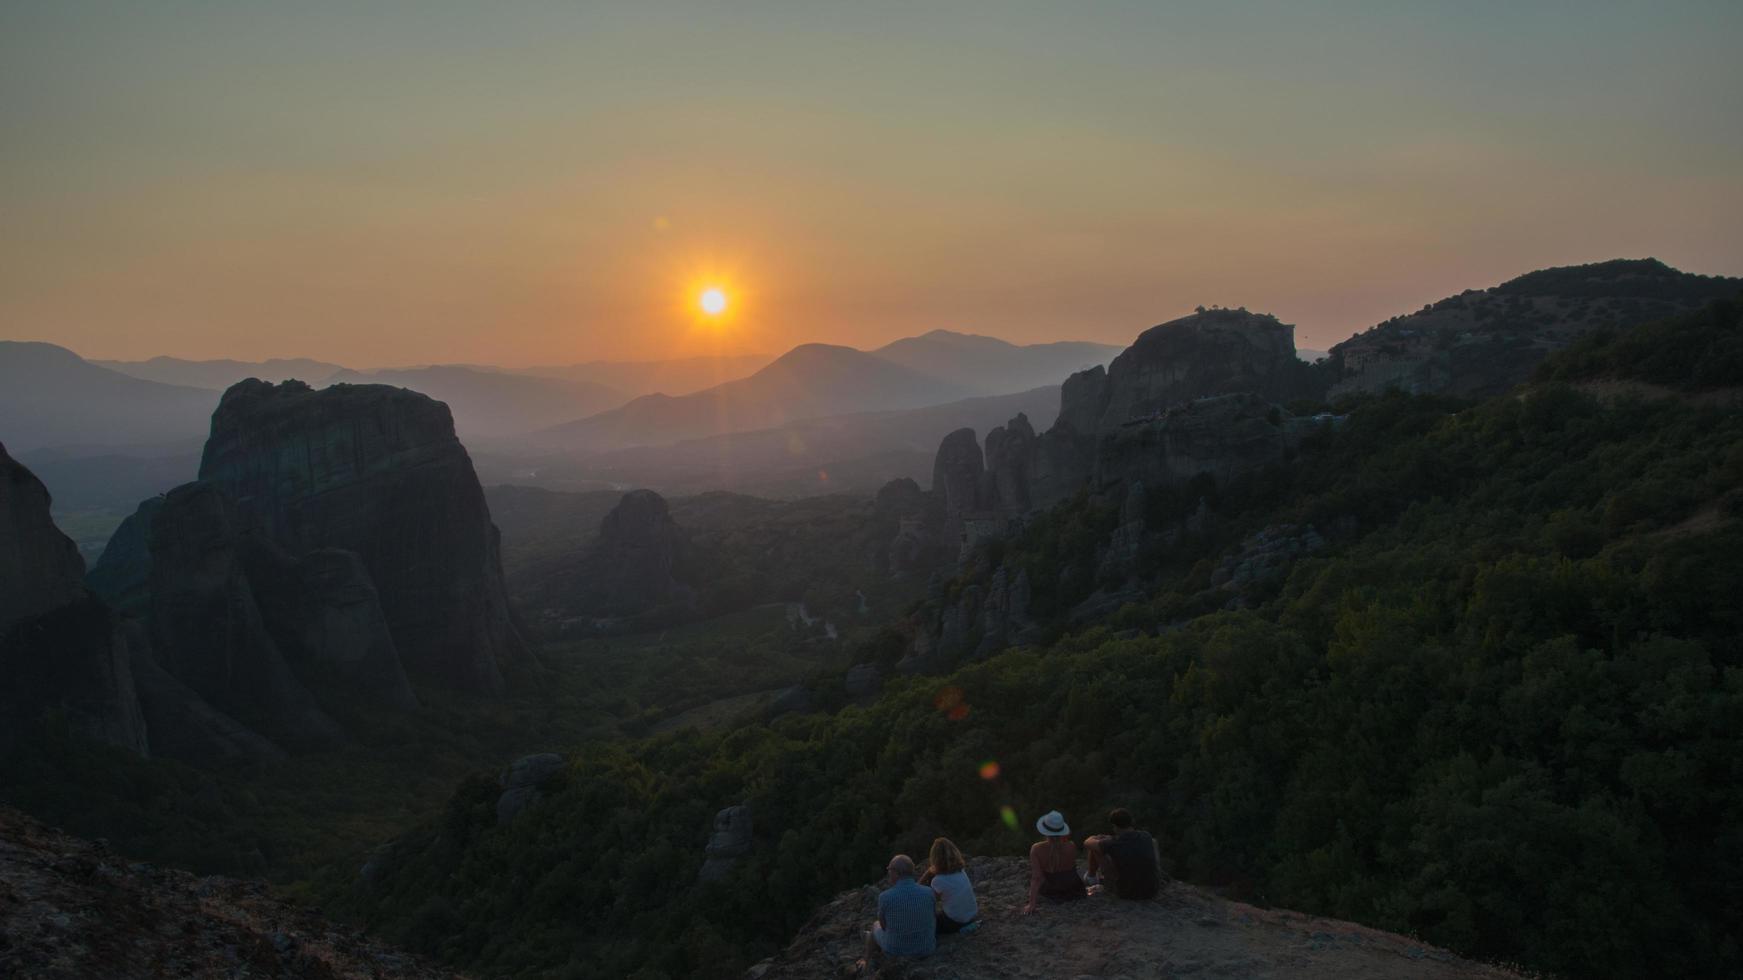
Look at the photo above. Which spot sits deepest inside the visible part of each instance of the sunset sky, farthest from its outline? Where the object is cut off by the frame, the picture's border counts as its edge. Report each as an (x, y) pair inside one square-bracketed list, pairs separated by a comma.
[(394, 183)]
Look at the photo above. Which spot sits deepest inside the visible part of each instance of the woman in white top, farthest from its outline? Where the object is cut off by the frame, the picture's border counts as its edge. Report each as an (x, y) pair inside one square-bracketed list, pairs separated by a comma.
[(957, 908)]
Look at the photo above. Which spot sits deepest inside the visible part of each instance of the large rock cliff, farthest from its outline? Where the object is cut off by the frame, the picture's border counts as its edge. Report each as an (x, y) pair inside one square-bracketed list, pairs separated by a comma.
[(1193, 395), (376, 471), (206, 626), (40, 568), (61, 651)]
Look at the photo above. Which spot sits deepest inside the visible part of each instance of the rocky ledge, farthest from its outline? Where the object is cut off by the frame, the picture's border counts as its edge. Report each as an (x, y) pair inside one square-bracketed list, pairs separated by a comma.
[(1185, 932), (71, 909)]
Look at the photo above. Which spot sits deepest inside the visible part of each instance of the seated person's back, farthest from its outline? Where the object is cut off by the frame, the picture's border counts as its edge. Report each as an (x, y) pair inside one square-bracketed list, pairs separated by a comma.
[(906, 910), (1129, 859)]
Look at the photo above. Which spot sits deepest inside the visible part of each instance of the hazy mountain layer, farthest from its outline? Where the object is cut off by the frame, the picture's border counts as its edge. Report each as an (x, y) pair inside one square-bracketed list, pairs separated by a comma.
[(809, 381), (49, 396), (220, 374), (839, 454), (490, 403), (994, 366)]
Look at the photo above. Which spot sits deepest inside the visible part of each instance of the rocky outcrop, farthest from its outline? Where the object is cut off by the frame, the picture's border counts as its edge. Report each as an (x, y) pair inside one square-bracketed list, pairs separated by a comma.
[(1224, 436), (1265, 557), (1155, 414), (376, 471), (521, 783), (730, 840), (40, 568), (325, 614), (914, 523), (62, 651), (1484, 341), (1190, 398), (631, 565), (959, 476), (207, 629), (122, 575), (182, 725), (72, 908), (1184, 932)]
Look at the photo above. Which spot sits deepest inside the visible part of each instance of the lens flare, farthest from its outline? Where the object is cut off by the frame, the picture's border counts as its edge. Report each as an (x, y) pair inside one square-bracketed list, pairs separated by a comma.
[(1009, 816), (989, 770)]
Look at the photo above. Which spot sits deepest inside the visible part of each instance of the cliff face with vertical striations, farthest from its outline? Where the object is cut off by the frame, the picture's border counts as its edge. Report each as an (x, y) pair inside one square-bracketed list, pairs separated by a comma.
[(377, 471), (61, 650)]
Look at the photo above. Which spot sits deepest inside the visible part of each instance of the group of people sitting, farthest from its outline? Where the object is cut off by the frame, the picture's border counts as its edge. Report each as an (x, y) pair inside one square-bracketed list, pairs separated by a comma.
[(917, 907)]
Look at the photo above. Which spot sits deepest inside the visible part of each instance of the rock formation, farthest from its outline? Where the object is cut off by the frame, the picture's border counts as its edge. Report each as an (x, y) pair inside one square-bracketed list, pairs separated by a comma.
[(913, 520), (520, 783), (206, 627), (376, 471), (1181, 400), (730, 840), (40, 568), (1192, 397), (122, 575), (61, 649), (631, 565), (325, 614), (1225, 436)]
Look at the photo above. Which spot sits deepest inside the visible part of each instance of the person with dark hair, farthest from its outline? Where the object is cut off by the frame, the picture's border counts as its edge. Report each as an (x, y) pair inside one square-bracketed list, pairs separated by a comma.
[(1125, 862)]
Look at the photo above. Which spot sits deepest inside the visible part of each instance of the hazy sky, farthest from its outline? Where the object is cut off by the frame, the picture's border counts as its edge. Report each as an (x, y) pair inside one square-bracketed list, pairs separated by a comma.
[(384, 183)]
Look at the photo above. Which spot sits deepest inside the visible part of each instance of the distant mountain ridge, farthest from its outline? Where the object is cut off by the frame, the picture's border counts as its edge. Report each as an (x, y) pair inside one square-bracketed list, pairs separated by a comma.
[(49, 396), (995, 366), (491, 403), (809, 381), (820, 380), (223, 372)]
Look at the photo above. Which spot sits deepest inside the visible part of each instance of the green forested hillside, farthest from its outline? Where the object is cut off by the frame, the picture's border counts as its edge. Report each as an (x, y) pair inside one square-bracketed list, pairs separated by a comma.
[(1500, 710)]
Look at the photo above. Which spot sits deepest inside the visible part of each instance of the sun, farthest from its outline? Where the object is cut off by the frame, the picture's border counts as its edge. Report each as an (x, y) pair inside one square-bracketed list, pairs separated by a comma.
[(712, 301)]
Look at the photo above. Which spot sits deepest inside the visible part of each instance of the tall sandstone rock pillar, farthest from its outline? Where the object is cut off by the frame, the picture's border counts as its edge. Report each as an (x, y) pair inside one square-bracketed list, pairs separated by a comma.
[(378, 471)]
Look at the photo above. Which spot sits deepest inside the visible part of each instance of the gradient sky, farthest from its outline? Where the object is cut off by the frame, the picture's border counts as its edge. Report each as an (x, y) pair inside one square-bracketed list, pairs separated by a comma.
[(392, 183)]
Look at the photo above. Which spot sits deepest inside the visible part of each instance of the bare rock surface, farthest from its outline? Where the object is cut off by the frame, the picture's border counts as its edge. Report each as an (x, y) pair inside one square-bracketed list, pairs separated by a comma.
[(40, 568), (1184, 933), (70, 909), (61, 649), (379, 472)]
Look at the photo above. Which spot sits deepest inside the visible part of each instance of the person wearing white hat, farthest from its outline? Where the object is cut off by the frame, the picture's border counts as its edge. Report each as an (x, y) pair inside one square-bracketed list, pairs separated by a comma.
[(1053, 863)]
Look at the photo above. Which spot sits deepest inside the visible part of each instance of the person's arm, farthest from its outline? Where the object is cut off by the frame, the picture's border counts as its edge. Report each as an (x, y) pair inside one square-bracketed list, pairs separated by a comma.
[(1034, 880)]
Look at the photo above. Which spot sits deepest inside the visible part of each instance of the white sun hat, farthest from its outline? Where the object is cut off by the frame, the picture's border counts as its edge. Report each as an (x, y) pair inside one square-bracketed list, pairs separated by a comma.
[(1052, 824)]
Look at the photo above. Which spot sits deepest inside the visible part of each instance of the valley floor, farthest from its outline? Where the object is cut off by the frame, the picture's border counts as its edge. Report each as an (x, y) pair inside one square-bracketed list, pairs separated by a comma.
[(1185, 932)]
